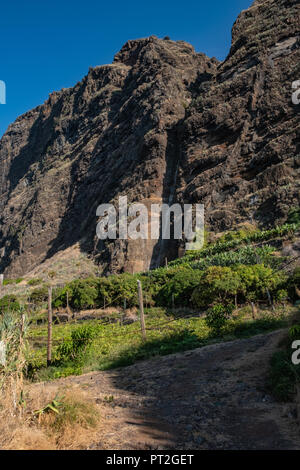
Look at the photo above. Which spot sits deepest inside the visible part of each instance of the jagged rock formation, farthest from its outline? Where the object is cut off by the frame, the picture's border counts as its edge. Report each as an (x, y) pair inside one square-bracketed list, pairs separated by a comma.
[(242, 131), (162, 123)]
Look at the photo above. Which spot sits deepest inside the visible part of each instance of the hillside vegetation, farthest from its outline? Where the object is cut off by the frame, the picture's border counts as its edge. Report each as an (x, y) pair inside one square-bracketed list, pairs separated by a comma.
[(237, 286)]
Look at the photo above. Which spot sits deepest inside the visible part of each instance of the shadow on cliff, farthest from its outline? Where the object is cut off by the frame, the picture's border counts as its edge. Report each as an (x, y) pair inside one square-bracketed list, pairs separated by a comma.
[(116, 166), (168, 249), (41, 136)]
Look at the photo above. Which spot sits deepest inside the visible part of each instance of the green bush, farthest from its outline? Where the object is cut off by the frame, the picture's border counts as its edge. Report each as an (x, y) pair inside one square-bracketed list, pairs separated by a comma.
[(114, 290), (217, 316), (188, 285), (9, 303), (39, 295), (256, 280), (181, 287), (294, 283), (97, 292), (294, 216), (7, 282), (283, 376), (281, 295), (34, 282), (217, 284), (83, 293), (73, 349), (225, 284)]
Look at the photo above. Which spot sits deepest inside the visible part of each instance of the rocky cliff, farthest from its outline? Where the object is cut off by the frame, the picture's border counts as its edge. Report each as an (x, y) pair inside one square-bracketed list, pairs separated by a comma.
[(161, 123), (241, 138)]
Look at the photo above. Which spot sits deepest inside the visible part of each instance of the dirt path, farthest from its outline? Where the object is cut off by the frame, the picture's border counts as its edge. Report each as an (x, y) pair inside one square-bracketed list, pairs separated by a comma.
[(209, 398)]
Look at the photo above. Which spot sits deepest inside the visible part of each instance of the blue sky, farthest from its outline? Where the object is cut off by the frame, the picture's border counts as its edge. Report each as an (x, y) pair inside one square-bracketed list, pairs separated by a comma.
[(46, 46)]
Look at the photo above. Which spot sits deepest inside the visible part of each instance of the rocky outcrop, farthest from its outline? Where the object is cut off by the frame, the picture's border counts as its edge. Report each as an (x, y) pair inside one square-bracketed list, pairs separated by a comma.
[(241, 139), (112, 134), (161, 123)]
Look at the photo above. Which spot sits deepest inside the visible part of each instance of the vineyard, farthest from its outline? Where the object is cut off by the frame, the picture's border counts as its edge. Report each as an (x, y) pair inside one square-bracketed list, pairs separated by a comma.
[(81, 346), (236, 286)]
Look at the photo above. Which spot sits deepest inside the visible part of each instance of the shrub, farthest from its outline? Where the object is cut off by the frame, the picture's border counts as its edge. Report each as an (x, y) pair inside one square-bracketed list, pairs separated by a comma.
[(224, 281), (34, 282), (9, 303), (39, 295), (97, 292), (7, 282), (282, 376), (217, 283), (296, 277), (73, 349), (294, 216), (115, 289), (73, 410), (281, 295), (181, 287), (256, 280), (82, 293), (217, 316)]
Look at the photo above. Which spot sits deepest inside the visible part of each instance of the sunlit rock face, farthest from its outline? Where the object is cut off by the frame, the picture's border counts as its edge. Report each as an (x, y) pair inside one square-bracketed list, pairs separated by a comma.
[(162, 123)]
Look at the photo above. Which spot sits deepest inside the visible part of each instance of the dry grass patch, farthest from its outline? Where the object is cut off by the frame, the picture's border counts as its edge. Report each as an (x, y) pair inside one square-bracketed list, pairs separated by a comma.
[(51, 418)]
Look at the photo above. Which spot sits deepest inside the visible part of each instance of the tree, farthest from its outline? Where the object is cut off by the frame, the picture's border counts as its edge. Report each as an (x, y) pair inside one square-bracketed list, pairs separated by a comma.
[(256, 280), (224, 281)]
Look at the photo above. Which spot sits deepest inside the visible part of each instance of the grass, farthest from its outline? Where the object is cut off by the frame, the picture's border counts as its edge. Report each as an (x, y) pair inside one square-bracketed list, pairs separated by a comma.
[(117, 346), (284, 376), (33, 417), (74, 425)]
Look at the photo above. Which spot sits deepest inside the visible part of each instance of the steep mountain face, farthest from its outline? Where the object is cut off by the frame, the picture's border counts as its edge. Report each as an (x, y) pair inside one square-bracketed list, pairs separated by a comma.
[(162, 123), (111, 135), (241, 140)]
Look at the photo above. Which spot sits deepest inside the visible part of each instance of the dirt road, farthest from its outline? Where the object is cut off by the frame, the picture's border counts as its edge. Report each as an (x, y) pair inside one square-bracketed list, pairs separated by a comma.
[(209, 398)]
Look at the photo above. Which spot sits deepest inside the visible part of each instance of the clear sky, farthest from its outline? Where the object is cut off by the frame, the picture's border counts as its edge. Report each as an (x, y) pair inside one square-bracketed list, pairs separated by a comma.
[(48, 45)]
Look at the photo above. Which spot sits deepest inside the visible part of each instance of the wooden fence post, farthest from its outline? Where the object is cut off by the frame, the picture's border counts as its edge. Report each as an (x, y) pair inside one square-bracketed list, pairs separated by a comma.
[(270, 300), (254, 310), (22, 327), (1, 283), (2, 353), (49, 345), (142, 316)]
